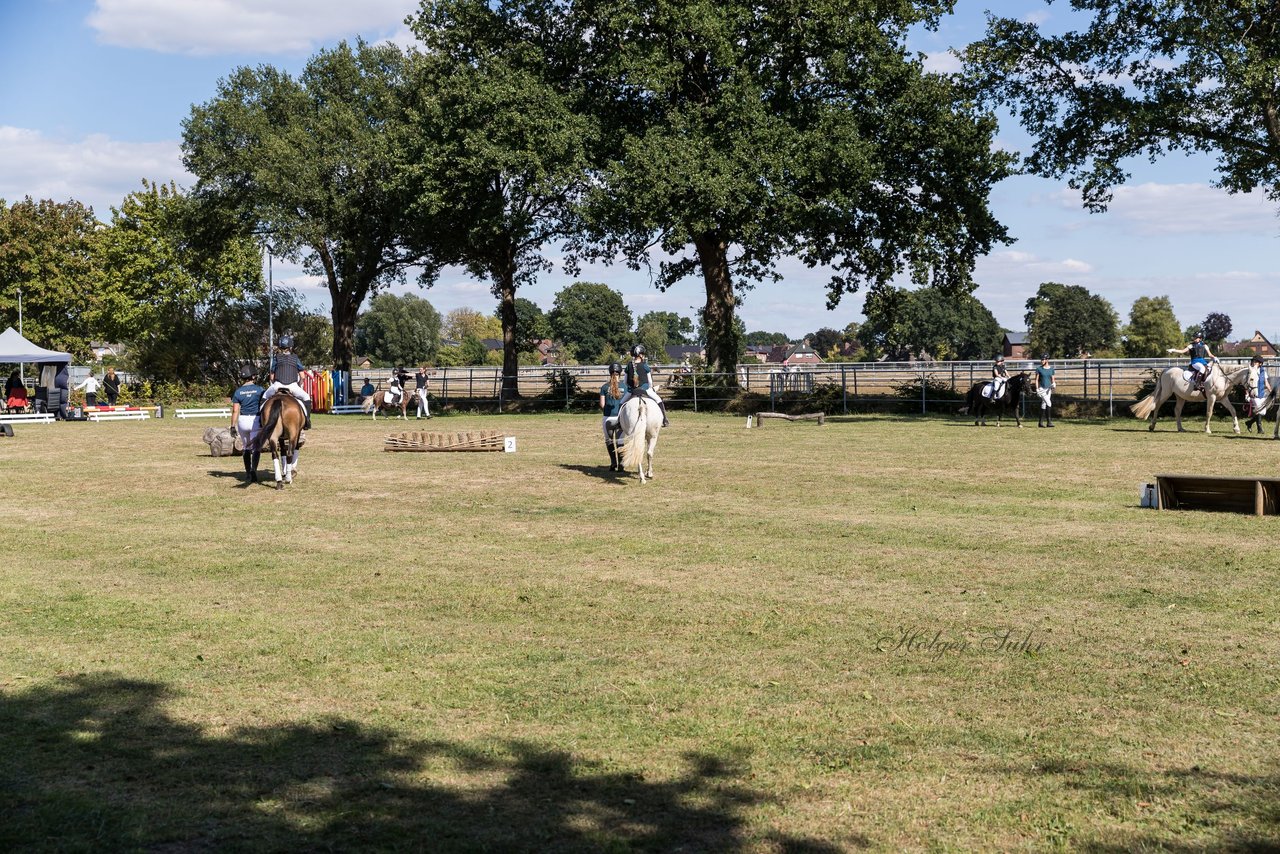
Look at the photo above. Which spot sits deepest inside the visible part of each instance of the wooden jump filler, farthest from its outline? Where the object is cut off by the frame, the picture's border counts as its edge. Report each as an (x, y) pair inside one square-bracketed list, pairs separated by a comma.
[(470, 440), (820, 417), (1257, 495)]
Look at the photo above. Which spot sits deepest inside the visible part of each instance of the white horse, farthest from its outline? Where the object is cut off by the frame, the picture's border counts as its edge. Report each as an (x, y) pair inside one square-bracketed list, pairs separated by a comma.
[(1173, 382), (639, 423)]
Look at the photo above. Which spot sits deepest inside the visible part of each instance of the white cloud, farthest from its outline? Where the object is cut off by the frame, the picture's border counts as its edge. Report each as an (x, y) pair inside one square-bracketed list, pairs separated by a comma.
[(1153, 209), (1037, 17), (203, 27), (1002, 265), (945, 62), (96, 170)]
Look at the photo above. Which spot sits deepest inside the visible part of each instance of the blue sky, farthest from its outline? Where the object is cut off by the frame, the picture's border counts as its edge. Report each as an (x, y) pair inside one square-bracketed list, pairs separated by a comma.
[(93, 94)]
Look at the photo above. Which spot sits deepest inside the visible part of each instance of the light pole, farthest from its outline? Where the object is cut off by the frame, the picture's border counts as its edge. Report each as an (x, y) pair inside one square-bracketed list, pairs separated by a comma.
[(22, 368)]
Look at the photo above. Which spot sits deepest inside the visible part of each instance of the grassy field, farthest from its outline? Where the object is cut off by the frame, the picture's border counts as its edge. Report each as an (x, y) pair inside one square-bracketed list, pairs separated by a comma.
[(884, 633)]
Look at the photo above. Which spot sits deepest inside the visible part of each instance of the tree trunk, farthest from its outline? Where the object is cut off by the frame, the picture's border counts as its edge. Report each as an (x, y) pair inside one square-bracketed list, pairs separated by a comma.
[(510, 355), (717, 319), (345, 309)]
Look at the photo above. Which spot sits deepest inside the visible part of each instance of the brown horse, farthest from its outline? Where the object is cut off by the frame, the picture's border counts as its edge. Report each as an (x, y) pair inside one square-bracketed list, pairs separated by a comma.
[(379, 400), (282, 419)]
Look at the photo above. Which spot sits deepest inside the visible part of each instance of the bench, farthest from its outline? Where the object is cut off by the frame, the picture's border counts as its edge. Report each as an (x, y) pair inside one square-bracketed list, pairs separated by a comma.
[(26, 418), (119, 415), (220, 412), (1257, 495), (346, 409)]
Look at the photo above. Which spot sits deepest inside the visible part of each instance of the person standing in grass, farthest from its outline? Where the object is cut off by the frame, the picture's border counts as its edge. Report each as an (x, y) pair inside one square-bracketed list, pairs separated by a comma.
[(420, 379), (90, 386), (1258, 388), (111, 385), (611, 394), (246, 404), (1044, 387)]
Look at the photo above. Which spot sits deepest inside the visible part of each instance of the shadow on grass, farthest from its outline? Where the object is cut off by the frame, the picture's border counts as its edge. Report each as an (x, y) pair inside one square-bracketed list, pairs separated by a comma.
[(95, 763), (1198, 809), (599, 472)]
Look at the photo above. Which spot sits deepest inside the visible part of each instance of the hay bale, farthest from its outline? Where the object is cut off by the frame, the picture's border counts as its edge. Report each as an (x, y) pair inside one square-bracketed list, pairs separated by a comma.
[(222, 442)]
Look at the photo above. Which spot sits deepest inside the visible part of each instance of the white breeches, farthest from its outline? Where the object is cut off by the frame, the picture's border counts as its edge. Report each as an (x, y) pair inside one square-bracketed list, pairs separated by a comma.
[(423, 407), (1260, 405), (247, 427), (608, 425), (293, 389), (1046, 395)]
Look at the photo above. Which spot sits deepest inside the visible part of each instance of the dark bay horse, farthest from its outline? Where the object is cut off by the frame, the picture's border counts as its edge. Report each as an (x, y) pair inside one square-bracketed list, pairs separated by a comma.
[(282, 419), (1015, 390)]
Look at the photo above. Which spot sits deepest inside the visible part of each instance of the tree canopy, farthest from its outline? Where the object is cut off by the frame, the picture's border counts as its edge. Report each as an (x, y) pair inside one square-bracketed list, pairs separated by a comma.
[(1142, 79), (678, 328), (592, 320), (1152, 329), (1066, 321), (1216, 327), (310, 163), (399, 330), (934, 322), (739, 133), (47, 250)]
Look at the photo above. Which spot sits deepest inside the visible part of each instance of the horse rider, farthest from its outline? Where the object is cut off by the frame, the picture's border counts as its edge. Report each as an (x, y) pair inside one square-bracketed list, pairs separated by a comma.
[(611, 394), (999, 377), (395, 386), (639, 375), (285, 370), (1257, 390), (1200, 357), (246, 403), (1044, 388)]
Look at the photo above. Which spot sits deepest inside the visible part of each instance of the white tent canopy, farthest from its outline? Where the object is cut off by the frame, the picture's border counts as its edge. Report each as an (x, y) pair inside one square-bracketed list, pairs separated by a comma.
[(15, 348)]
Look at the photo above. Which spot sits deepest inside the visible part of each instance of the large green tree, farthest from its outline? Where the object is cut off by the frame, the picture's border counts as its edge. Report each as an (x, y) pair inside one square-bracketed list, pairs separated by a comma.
[(1153, 328), (399, 330), (678, 328), (932, 322), (47, 250), (591, 320), (741, 133), (311, 163), (531, 325), (1067, 320), (507, 151), (1216, 328), (1143, 78)]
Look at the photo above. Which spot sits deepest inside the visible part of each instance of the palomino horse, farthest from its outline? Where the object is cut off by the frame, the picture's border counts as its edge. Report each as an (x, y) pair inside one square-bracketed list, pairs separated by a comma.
[(1014, 391), (639, 424), (1172, 382), (381, 400), (282, 419)]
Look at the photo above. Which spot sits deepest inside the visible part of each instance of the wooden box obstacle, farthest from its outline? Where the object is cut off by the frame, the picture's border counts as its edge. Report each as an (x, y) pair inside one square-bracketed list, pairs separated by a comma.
[(469, 440), (1257, 495)]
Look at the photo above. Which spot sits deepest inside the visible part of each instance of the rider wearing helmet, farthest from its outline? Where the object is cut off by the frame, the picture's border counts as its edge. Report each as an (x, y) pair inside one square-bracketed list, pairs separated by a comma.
[(999, 376), (285, 371), (611, 394), (1200, 357), (638, 378), (245, 405), (395, 385)]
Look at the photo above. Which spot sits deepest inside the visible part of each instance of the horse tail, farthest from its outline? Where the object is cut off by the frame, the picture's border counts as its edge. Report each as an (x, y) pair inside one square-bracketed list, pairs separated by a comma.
[(369, 402), (633, 442), (269, 426), (1146, 406)]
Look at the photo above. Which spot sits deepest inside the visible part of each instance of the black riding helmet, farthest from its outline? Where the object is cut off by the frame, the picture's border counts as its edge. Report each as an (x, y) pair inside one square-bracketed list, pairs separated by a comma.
[(246, 372), (637, 350), (1258, 360), (286, 342), (615, 368)]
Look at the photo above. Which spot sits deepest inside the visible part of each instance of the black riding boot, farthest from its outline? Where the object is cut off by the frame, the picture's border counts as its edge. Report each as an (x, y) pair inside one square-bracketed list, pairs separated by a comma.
[(1048, 417), (253, 471), (662, 405), (306, 412), (248, 461), (613, 455), (1041, 424)]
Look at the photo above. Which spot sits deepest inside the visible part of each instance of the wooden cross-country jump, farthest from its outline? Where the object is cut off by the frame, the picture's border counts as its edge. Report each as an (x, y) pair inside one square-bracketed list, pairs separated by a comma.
[(820, 417), (471, 440)]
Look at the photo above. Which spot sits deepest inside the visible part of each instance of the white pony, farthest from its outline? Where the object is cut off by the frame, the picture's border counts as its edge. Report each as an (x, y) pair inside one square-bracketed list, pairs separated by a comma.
[(639, 423), (1174, 382)]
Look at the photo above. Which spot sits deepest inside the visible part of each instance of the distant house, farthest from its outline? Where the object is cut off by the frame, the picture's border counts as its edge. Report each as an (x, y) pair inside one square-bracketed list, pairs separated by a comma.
[(759, 352), (362, 363), (1015, 345), (1258, 345), (102, 350), (680, 353), (548, 352), (793, 355), (491, 343)]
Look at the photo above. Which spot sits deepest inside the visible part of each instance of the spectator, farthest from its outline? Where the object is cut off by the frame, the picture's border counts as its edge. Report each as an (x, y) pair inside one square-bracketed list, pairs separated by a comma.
[(90, 386), (111, 385), (366, 391)]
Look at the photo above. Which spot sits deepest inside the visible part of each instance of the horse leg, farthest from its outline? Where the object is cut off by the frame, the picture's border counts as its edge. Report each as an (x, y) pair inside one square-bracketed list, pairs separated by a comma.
[(1235, 421), (275, 466), (1177, 413)]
